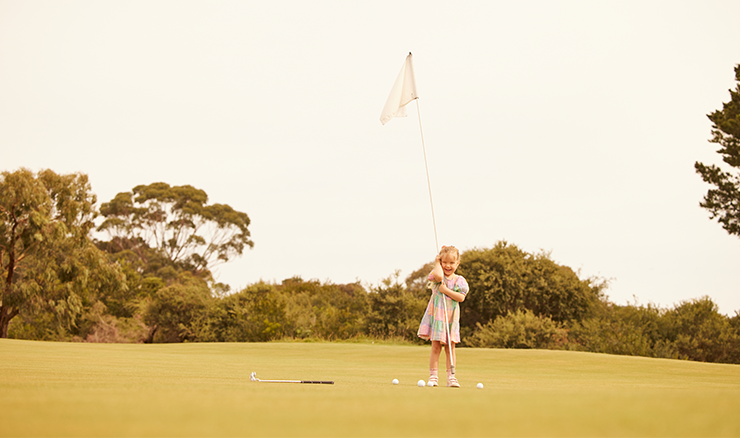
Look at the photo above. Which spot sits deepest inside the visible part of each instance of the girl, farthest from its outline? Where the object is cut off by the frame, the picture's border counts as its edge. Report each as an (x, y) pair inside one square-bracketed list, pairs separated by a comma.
[(448, 290)]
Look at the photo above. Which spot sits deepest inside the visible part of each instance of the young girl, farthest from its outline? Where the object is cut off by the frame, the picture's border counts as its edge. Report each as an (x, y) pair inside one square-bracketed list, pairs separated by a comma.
[(448, 290)]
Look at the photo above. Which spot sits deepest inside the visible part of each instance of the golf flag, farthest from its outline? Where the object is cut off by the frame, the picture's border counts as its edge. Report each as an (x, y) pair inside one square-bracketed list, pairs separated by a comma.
[(402, 93)]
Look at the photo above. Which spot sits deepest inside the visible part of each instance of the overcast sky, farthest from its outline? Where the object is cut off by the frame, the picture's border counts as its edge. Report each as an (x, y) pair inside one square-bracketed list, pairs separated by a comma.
[(570, 127)]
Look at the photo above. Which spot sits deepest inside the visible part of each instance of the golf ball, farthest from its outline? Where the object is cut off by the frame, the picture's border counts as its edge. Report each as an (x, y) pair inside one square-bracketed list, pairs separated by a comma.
[(421, 383), (479, 386), (395, 381)]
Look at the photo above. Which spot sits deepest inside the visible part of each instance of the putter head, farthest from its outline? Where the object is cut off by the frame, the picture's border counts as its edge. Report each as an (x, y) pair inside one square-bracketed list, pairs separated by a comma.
[(253, 377)]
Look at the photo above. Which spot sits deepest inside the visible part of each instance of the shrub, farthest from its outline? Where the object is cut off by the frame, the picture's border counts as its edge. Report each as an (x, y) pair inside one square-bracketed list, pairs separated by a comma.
[(325, 311), (176, 313), (627, 330), (701, 333), (97, 325), (520, 329), (395, 311)]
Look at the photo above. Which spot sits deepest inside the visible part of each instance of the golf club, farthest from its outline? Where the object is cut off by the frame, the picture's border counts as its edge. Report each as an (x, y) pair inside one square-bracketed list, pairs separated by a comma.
[(253, 378), (447, 331)]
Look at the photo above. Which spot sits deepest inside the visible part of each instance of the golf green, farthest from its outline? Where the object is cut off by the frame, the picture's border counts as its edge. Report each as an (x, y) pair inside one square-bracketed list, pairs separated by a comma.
[(78, 389)]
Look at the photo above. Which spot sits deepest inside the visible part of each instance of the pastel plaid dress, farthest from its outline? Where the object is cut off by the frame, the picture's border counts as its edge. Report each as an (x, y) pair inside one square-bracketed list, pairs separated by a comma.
[(432, 327)]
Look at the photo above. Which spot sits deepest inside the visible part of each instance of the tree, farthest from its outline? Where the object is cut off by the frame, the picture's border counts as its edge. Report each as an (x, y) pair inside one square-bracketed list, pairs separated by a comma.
[(177, 224), (48, 262), (701, 333), (255, 314), (723, 201), (324, 311), (505, 279), (177, 312), (395, 310)]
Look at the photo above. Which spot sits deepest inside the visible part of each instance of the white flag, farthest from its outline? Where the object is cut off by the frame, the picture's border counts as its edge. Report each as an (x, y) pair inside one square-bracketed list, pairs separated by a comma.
[(403, 92)]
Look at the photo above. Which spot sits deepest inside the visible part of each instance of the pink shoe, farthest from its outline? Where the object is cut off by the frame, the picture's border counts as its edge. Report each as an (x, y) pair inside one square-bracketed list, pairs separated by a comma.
[(452, 382), (433, 381)]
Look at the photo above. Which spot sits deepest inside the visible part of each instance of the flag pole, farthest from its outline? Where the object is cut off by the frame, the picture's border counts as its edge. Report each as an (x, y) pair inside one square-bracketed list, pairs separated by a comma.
[(426, 167), (402, 93), (436, 241)]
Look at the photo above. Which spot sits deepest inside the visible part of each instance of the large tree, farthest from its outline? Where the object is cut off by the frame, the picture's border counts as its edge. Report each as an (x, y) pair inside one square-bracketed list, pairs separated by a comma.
[(47, 261), (505, 279), (723, 201), (177, 224)]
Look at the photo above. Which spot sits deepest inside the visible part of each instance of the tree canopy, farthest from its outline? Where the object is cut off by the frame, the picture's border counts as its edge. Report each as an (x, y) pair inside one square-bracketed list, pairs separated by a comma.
[(723, 201), (176, 223), (505, 279), (48, 262)]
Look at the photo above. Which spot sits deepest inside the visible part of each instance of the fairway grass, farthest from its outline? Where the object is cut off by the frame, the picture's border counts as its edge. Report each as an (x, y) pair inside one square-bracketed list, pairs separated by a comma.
[(80, 389)]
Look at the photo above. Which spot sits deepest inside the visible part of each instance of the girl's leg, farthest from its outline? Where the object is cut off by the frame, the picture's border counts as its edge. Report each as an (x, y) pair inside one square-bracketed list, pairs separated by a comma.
[(434, 362), (434, 357)]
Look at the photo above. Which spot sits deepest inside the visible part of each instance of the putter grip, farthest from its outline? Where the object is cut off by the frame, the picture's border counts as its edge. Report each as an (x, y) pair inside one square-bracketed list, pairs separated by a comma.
[(325, 382)]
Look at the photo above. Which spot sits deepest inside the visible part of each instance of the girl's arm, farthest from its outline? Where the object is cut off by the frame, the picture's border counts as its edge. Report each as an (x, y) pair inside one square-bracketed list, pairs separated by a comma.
[(457, 296), (437, 273), (439, 276)]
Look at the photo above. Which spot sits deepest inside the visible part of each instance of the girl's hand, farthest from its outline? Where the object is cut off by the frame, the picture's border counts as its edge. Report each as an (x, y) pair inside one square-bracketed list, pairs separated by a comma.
[(457, 296)]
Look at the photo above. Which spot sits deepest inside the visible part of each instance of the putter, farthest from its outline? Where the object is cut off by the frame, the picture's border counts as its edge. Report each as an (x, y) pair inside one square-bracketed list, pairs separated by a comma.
[(447, 332), (253, 378)]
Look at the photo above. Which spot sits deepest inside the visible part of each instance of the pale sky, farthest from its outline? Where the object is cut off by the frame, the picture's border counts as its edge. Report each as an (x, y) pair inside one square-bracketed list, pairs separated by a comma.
[(570, 127)]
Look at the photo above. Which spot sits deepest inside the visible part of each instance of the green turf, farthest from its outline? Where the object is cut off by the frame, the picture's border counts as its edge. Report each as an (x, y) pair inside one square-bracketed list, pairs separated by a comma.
[(76, 389)]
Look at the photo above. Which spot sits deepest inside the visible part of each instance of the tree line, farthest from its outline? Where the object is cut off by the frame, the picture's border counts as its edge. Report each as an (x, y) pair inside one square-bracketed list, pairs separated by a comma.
[(151, 281)]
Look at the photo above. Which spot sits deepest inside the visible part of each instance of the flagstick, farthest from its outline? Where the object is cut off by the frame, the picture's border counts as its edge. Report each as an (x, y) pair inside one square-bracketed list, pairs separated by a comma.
[(429, 184), (436, 241)]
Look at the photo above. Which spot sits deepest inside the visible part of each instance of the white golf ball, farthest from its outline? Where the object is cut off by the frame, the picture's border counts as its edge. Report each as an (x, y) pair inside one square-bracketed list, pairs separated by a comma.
[(395, 381), (430, 383), (479, 386), (421, 383)]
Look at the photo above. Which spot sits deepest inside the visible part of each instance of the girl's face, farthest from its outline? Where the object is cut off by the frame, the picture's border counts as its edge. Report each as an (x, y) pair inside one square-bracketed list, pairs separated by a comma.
[(449, 264)]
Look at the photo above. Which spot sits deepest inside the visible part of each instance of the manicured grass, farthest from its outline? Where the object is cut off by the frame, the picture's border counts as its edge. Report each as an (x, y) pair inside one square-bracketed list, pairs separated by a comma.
[(69, 389)]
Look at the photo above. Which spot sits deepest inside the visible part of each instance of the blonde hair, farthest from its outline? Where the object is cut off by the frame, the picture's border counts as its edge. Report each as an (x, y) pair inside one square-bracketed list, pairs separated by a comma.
[(444, 251), (450, 250)]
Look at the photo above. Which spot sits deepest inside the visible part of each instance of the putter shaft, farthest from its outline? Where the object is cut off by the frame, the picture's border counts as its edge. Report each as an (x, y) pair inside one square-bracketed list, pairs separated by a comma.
[(253, 378)]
